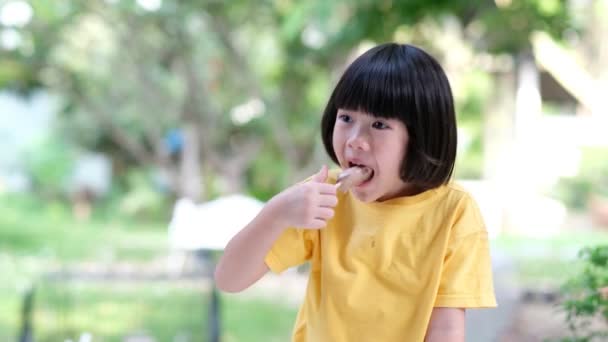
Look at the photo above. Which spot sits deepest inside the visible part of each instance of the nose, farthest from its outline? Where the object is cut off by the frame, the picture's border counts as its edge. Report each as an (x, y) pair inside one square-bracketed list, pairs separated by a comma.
[(359, 140)]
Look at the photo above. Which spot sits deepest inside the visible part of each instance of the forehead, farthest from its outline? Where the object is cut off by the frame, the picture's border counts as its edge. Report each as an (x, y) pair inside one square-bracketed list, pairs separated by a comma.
[(375, 88)]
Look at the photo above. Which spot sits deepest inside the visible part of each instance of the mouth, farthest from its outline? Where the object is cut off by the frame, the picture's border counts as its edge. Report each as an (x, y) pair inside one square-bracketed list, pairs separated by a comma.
[(371, 176)]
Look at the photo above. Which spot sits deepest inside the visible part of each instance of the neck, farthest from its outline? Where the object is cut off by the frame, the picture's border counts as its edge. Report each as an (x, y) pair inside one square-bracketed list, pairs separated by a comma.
[(407, 190)]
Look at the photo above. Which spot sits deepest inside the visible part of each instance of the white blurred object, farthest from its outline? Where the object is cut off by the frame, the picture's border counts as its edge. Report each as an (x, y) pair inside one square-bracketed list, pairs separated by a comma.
[(16, 13), (252, 109), (536, 215), (212, 224), (14, 182), (93, 171), (86, 337), (491, 204), (23, 122), (207, 226)]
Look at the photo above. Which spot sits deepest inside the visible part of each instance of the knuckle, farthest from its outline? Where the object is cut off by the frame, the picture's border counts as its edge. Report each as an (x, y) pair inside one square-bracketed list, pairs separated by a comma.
[(303, 188)]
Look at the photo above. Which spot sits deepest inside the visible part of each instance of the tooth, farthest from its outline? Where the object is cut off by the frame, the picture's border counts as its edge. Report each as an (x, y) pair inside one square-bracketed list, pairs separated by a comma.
[(353, 176)]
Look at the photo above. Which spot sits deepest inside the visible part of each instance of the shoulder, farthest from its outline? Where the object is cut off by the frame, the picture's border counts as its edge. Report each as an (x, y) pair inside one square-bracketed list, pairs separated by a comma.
[(464, 211), (454, 195)]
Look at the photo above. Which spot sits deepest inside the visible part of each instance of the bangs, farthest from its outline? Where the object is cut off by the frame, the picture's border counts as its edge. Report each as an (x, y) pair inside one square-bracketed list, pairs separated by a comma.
[(401, 82), (379, 85)]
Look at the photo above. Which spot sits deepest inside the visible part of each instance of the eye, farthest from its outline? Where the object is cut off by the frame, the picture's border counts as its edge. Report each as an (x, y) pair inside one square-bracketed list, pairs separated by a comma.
[(380, 125), (345, 118)]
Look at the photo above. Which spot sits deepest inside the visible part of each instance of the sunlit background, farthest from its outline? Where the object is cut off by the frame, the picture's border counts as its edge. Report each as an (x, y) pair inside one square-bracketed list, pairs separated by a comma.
[(137, 136)]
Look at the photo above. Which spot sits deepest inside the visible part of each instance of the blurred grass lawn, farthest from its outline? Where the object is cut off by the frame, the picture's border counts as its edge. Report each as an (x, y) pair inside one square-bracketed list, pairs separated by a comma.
[(33, 239), (35, 236), (164, 311), (548, 262)]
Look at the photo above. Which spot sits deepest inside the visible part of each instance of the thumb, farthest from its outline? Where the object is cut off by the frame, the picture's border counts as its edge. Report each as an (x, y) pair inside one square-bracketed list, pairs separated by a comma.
[(321, 176)]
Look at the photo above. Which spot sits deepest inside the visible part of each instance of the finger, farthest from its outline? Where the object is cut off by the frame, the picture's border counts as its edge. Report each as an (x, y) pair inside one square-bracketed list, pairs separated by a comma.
[(327, 189), (320, 176), (324, 213), (317, 224), (328, 201)]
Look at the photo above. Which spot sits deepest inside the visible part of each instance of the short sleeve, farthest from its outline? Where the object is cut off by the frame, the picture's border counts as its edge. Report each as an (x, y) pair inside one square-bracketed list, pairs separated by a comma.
[(292, 248), (466, 275), (296, 246)]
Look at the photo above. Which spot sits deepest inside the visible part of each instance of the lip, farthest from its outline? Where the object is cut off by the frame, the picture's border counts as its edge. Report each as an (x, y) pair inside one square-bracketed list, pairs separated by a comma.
[(350, 162), (354, 160), (357, 161), (364, 184)]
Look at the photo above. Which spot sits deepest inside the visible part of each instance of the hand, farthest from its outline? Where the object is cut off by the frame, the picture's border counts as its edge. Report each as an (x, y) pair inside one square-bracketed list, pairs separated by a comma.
[(306, 205)]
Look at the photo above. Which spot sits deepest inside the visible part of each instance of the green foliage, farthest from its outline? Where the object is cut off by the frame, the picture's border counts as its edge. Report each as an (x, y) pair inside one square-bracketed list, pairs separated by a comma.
[(586, 302), (540, 261), (49, 163), (592, 178), (164, 311), (267, 176), (35, 227), (469, 163), (64, 310), (129, 75), (25, 68), (141, 200), (34, 241), (523, 17), (470, 99)]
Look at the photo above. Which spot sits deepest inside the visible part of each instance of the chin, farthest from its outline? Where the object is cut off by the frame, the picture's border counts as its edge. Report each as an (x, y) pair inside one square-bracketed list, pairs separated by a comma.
[(364, 197)]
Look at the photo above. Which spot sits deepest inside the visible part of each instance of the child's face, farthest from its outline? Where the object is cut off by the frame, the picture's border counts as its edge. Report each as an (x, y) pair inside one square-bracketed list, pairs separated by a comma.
[(378, 143)]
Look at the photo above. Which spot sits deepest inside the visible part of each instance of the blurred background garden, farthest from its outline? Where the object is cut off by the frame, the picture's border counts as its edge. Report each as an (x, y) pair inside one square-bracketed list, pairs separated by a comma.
[(121, 119)]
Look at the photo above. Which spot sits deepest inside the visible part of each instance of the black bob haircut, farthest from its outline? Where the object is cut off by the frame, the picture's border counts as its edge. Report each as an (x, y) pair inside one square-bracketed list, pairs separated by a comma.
[(403, 82)]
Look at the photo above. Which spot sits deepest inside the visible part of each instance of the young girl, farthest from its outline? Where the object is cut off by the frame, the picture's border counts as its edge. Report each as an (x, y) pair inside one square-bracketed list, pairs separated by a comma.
[(401, 255)]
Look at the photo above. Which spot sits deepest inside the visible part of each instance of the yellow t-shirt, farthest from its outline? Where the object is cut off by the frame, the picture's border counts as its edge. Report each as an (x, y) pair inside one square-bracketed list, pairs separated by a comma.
[(378, 269)]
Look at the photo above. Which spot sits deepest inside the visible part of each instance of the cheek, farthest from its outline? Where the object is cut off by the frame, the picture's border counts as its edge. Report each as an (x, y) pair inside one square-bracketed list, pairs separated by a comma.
[(338, 142), (393, 155)]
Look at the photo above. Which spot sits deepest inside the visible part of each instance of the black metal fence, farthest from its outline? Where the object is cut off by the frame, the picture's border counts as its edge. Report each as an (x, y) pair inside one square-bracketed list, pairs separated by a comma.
[(73, 301)]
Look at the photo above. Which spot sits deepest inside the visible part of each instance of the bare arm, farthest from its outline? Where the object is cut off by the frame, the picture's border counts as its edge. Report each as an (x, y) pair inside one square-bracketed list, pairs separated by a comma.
[(446, 325), (242, 263), (308, 205)]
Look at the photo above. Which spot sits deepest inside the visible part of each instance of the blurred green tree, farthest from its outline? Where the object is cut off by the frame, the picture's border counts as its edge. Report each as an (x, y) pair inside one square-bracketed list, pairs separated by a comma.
[(199, 89)]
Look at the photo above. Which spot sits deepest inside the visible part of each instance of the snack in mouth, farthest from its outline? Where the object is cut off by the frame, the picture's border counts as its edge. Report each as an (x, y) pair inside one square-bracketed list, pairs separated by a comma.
[(352, 177)]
